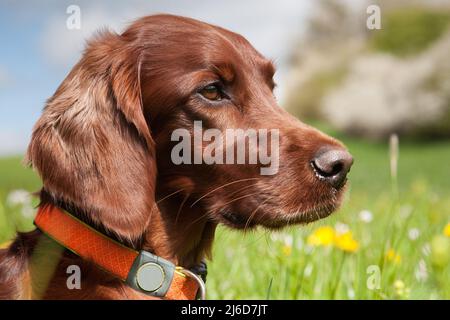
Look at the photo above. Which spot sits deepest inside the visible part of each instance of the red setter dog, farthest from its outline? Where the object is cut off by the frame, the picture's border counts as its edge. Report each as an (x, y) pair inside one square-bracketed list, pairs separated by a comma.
[(103, 150)]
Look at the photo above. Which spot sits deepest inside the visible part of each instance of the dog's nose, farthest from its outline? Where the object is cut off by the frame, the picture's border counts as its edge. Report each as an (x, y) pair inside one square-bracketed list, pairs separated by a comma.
[(332, 165)]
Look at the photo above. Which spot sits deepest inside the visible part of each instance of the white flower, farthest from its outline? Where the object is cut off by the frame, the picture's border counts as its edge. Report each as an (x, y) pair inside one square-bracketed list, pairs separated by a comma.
[(18, 197), (288, 240), (413, 234), (421, 271), (366, 216), (341, 228)]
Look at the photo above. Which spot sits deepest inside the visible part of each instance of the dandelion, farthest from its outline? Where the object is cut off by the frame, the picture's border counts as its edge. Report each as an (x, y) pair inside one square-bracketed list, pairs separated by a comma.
[(341, 228), (393, 256), (5, 244), (341, 238), (447, 230), (287, 250), (323, 236), (366, 216), (345, 242), (413, 234)]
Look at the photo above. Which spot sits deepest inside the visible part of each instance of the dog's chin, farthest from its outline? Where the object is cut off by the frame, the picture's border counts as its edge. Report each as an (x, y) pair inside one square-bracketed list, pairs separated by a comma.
[(274, 217), (284, 219), (277, 219)]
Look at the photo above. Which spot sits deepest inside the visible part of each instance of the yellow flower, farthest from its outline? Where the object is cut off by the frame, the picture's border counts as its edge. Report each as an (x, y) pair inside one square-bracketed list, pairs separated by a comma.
[(447, 230), (346, 242), (322, 236), (393, 256), (400, 289), (287, 250), (5, 245), (440, 251)]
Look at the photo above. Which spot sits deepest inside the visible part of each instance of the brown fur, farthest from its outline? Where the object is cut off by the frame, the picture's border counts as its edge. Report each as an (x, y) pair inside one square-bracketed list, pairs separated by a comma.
[(102, 148)]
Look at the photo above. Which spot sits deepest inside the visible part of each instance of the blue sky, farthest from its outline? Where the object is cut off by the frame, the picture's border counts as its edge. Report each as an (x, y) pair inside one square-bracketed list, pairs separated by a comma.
[(38, 50)]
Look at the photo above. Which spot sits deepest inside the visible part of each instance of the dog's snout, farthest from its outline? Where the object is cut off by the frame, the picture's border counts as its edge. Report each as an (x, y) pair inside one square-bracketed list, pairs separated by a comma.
[(332, 165)]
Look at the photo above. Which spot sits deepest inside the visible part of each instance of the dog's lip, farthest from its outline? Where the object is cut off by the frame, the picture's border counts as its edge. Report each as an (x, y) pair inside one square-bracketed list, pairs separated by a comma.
[(236, 220), (240, 221), (315, 213)]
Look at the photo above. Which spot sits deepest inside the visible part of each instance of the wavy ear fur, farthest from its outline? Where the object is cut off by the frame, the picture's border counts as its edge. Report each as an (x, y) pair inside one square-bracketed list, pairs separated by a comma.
[(92, 146)]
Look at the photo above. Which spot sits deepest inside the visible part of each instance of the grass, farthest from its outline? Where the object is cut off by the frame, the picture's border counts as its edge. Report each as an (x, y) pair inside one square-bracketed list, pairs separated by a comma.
[(402, 253)]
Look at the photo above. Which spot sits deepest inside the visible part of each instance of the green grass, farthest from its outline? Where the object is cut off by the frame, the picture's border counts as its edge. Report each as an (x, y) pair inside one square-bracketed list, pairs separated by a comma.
[(282, 265)]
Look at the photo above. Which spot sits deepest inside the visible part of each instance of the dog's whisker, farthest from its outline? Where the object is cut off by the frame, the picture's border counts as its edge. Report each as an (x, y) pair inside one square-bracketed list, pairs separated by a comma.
[(221, 187), (253, 214), (243, 188), (169, 195), (181, 207), (241, 197)]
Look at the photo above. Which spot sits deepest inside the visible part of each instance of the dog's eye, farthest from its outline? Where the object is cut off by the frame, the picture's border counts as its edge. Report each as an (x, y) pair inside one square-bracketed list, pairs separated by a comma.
[(212, 92)]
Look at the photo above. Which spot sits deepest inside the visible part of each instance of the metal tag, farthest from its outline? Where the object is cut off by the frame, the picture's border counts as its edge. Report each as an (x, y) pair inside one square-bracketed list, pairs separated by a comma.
[(151, 274)]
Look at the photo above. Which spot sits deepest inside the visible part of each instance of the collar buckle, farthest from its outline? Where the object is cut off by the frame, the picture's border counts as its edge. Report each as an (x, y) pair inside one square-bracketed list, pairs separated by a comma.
[(201, 293)]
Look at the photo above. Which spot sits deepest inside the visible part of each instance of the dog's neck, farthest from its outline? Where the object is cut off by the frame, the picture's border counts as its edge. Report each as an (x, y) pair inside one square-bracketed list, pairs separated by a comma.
[(182, 236)]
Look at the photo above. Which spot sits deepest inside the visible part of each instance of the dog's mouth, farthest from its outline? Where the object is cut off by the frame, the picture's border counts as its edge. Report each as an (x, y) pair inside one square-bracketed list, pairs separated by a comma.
[(277, 219), (236, 220), (301, 217)]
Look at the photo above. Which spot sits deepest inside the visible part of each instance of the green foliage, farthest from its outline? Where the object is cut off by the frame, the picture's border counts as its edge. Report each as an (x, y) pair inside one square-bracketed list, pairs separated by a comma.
[(255, 265), (14, 175), (305, 102), (409, 30)]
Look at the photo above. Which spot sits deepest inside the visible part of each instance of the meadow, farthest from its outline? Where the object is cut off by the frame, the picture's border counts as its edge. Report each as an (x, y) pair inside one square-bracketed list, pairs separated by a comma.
[(389, 240)]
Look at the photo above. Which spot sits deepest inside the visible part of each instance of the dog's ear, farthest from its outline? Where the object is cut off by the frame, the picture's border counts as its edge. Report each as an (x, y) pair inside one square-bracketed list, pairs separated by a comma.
[(92, 145)]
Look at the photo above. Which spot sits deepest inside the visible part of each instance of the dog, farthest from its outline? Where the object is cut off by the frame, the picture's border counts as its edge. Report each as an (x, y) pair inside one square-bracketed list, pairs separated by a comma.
[(103, 147)]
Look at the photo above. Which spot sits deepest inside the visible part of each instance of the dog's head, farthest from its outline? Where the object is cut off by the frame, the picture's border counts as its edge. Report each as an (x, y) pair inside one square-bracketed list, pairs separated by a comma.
[(175, 113)]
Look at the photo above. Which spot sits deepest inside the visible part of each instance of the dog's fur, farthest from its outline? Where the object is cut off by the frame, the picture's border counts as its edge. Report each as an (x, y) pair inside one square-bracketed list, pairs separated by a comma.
[(102, 148)]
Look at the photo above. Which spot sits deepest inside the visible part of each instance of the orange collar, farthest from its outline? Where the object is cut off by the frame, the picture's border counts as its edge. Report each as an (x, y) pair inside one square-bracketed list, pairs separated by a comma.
[(143, 271)]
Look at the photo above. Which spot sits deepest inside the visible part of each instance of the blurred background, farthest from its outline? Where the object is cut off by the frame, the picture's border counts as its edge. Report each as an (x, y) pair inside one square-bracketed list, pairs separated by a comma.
[(384, 92)]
